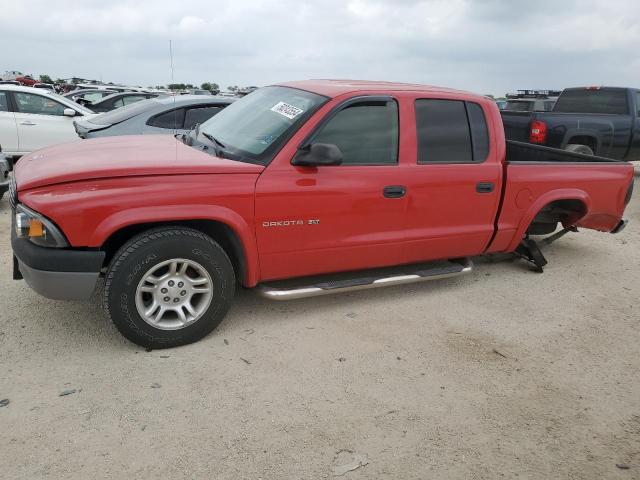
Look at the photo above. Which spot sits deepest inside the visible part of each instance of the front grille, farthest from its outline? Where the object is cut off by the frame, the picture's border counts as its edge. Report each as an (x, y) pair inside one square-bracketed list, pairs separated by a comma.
[(13, 192)]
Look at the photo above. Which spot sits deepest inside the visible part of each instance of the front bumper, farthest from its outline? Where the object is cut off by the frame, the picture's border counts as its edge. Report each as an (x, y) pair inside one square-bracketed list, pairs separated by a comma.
[(56, 273)]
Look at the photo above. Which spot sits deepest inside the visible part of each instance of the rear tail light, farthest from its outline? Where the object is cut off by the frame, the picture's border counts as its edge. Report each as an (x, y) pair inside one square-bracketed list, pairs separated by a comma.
[(538, 133)]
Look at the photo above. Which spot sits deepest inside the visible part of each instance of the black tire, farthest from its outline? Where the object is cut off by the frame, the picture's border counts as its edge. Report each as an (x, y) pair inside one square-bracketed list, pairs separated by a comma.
[(577, 148), (540, 228), (143, 252)]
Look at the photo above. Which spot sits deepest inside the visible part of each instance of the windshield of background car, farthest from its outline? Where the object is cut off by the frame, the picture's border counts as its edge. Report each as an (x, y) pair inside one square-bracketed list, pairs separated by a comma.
[(518, 106), (256, 126), (123, 113)]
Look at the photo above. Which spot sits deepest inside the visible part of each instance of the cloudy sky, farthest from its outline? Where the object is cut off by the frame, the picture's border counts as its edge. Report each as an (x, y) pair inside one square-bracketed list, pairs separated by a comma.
[(486, 46)]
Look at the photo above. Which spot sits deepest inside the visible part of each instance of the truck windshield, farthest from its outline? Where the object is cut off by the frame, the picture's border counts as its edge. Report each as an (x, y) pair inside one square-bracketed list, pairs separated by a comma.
[(255, 127)]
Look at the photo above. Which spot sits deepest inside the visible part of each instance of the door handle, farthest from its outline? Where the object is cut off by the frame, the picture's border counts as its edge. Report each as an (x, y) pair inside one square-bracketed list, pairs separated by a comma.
[(485, 187), (27, 123), (395, 191)]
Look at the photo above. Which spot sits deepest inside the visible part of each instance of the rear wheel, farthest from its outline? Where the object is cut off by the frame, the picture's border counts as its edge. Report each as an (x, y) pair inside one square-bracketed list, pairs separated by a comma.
[(577, 148), (168, 287)]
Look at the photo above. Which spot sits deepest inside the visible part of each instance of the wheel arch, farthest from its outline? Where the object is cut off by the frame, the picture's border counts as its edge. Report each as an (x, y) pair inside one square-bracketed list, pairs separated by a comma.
[(233, 234), (569, 199), (588, 138)]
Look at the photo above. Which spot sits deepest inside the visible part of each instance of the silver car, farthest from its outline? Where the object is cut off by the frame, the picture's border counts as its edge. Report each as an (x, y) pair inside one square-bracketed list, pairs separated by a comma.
[(178, 114)]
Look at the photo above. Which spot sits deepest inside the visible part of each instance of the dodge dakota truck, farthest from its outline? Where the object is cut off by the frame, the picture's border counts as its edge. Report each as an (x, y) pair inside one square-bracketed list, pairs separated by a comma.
[(298, 189), (590, 120)]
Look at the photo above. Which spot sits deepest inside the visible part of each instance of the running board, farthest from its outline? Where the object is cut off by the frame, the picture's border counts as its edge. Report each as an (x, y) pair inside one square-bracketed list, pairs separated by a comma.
[(367, 279)]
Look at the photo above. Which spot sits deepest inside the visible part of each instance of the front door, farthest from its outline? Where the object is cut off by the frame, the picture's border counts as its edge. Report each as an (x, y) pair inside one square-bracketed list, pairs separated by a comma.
[(41, 122), (312, 220)]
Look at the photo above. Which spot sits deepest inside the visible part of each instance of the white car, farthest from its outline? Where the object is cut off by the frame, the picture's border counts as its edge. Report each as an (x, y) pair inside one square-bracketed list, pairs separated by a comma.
[(33, 118)]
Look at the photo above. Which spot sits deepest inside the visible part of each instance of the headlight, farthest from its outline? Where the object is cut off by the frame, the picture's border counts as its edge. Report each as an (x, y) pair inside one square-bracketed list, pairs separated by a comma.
[(38, 229)]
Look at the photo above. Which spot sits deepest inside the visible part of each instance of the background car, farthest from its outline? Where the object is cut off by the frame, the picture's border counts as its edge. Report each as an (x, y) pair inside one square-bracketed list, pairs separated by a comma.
[(159, 115), (33, 118), (531, 101), (530, 105), (27, 80), (88, 95), (45, 86), (118, 100)]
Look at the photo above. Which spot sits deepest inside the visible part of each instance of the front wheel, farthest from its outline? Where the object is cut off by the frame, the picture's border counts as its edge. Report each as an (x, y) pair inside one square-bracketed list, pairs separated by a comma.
[(168, 287)]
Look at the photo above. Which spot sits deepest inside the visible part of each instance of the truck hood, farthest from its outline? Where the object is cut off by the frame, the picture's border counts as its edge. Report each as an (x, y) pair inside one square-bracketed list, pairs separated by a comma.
[(109, 157)]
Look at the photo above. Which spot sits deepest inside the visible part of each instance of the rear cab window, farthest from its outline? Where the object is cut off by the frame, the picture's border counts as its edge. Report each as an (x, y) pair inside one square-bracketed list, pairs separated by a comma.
[(593, 100), (451, 131)]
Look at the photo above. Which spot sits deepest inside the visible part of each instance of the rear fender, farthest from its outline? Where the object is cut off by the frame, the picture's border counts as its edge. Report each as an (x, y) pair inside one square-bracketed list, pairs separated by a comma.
[(540, 203), (580, 132)]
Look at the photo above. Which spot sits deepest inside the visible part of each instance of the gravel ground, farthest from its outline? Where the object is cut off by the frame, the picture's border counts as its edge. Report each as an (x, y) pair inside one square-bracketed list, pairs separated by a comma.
[(504, 373)]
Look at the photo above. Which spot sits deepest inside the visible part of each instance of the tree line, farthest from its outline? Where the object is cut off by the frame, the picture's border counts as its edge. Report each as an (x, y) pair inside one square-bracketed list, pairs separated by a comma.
[(213, 87)]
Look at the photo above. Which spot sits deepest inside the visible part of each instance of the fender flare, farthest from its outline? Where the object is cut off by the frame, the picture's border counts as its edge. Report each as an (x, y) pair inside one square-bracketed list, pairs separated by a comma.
[(579, 132), (172, 213), (540, 203)]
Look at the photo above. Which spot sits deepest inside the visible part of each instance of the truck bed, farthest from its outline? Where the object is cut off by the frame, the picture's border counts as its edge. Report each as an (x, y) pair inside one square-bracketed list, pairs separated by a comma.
[(521, 152), (537, 176)]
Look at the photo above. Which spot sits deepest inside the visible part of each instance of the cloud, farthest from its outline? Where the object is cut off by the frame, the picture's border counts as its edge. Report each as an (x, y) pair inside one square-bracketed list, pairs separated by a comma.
[(488, 46)]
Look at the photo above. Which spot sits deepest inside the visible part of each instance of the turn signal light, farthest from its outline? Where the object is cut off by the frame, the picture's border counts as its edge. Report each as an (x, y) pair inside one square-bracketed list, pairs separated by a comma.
[(36, 229), (538, 133)]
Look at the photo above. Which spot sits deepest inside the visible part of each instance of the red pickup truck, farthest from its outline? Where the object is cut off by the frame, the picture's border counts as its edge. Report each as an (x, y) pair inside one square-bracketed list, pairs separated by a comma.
[(295, 180)]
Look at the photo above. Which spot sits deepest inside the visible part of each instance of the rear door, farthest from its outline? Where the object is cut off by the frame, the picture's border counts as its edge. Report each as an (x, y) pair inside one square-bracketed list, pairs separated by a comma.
[(8, 127), (41, 121), (323, 219), (455, 183)]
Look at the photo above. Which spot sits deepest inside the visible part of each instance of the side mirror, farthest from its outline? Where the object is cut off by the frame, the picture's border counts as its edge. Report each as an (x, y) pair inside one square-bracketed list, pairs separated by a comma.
[(69, 112), (318, 154)]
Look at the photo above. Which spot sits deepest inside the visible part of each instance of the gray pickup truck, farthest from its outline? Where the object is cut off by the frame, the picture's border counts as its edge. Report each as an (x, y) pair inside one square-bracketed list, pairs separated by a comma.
[(604, 121)]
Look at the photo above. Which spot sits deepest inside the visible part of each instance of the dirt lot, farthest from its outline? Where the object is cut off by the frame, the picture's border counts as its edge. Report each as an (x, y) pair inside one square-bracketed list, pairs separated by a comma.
[(501, 374)]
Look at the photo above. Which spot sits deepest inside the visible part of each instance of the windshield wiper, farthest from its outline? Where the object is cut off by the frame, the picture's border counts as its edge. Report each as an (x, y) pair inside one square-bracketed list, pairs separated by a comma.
[(213, 139)]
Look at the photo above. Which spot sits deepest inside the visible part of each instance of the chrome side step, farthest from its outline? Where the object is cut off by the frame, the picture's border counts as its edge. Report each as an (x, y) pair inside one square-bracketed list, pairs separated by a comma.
[(368, 279)]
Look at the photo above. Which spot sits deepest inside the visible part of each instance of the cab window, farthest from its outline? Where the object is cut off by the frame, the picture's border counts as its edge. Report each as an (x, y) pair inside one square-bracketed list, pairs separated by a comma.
[(365, 132), (451, 131), (37, 104)]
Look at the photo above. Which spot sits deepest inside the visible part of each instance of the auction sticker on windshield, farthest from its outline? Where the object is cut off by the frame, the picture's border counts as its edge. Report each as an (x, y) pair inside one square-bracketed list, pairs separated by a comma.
[(287, 110)]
